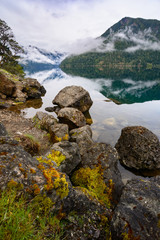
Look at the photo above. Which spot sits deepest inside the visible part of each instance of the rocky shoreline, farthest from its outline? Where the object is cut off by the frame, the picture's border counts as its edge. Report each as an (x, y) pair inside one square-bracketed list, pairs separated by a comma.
[(58, 158)]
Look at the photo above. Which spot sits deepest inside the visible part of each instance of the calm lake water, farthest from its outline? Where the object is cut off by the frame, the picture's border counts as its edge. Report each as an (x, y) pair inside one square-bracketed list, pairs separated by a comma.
[(133, 102)]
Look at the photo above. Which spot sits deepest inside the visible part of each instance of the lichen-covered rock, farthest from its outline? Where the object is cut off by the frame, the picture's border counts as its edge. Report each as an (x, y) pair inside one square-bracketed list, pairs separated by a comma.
[(7, 85), (137, 215), (44, 120), (85, 217), (19, 170), (83, 137), (59, 132), (19, 89), (139, 148), (73, 96), (33, 88), (71, 153), (104, 159), (71, 116)]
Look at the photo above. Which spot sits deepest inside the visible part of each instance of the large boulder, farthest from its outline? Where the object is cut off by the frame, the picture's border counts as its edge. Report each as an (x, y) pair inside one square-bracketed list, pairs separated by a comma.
[(73, 96), (137, 216), (139, 148), (72, 117)]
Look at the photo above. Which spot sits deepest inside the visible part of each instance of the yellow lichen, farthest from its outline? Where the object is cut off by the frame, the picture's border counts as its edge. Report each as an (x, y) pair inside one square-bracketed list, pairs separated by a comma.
[(54, 156), (57, 157), (32, 171), (36, 189), (92, 179), (56, 181), (12, 183)]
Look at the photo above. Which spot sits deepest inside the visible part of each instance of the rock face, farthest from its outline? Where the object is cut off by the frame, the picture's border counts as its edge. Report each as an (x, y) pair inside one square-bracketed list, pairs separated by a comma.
[(19, 89), (137, 216), (71, 116), (139, 148), (44, 121), (73, 96)]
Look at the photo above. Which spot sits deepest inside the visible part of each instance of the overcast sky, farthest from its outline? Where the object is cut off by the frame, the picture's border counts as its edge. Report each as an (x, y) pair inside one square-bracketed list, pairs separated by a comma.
[(58, 24)]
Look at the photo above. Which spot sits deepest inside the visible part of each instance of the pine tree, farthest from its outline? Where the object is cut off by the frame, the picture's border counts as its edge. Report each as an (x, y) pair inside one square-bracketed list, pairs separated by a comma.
[(9, 50)]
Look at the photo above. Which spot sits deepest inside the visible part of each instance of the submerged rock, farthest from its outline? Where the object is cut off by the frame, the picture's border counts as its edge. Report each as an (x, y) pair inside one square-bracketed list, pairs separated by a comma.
[(139, 148), (73, 96), (137, 215)]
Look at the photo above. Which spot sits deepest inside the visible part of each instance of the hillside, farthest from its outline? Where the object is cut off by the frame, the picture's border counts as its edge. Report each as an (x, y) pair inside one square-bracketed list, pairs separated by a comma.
[(130, 47), (35, 59)]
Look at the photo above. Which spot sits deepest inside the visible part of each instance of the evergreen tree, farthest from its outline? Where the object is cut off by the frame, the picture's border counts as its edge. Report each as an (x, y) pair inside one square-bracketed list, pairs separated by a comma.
[(9, 50)]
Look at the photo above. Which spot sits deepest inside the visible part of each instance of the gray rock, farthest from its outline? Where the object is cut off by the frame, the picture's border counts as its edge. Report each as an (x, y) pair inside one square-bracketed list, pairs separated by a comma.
[(72, 117), (83, 137), (44, 120), (101, 154), (71, 153), (137, 216), (33, 88), (59, 132), (85, 217), (73, 96), (139, 148)]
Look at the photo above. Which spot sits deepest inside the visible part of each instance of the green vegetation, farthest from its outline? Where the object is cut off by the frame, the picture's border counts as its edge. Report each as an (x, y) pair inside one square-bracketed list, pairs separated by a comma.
[(91, 182), (9, 50), (137, 24), (25, 219), (115, 65), (120, 62)]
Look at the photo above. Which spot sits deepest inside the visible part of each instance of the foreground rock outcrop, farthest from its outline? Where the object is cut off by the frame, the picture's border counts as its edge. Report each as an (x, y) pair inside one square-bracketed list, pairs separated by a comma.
[(81, 177), (19, 89), (139, 148), (137, 215)]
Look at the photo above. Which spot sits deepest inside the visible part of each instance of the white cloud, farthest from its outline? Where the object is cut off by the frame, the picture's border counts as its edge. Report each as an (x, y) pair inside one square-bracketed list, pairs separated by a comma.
[(57, 24)]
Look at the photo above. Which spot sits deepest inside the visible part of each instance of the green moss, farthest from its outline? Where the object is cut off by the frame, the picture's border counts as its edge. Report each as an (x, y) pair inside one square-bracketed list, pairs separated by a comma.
[(24, 219), (92, 180)]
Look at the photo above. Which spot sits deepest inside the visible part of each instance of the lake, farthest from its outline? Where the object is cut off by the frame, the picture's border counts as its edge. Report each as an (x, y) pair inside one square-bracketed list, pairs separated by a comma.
[(116, 103)]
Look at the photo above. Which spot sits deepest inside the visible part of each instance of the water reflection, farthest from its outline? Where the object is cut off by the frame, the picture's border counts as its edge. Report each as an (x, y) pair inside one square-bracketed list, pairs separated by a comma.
[(109, 117)]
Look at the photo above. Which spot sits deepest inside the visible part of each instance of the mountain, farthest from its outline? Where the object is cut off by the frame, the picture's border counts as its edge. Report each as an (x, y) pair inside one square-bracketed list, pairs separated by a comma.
[(129, 47), (35, 59)]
